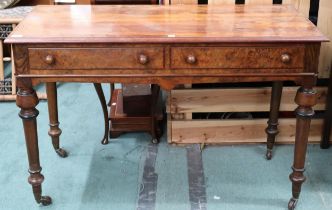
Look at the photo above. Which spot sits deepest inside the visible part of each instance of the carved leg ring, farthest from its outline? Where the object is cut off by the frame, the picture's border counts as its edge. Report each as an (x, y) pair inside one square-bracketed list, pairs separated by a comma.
[(27, 100), (306, 99), (35, 179), (272, 128), (54, 131)]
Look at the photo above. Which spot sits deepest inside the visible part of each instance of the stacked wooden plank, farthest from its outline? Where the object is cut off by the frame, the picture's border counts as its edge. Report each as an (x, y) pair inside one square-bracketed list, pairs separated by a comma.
[(184, 105)]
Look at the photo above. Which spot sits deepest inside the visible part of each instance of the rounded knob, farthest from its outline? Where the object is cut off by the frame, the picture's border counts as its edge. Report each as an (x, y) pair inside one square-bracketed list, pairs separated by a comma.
[(49, 59), (191, 59), (285, 58), (143, 59)]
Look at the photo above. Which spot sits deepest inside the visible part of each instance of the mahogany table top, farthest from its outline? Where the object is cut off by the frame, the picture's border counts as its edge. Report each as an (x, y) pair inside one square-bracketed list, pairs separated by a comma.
[(165, 24)]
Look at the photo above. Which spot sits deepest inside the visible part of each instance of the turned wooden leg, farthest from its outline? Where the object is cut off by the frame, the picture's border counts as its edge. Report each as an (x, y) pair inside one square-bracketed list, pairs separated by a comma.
[(54, 131), (272, 128), (325, 142), (27, 100), (102, 100), (154, 99), (306, 99)]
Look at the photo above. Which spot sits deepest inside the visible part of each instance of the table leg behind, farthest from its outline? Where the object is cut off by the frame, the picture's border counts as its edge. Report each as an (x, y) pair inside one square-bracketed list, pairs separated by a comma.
[(325, 142), (27, 100), (272, 128), (155, 89), (111, 91), (306, 99), (103, 103), (54, 131)]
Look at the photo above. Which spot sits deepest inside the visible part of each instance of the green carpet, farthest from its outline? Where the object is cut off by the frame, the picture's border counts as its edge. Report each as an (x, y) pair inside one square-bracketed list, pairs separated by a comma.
[(95, 176)]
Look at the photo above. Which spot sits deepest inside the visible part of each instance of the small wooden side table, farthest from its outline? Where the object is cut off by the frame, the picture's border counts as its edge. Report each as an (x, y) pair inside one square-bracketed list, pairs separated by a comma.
[(135, 108)]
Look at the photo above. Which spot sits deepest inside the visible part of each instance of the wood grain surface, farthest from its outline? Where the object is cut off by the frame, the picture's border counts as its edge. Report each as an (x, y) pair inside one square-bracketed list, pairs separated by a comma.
[(166, 24), (236, 131), (233, 57), (90, 58), (235, 100)]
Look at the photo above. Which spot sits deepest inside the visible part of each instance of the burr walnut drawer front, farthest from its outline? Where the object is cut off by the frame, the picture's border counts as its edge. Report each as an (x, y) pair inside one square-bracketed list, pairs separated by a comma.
[(237, 57), (97, 58)]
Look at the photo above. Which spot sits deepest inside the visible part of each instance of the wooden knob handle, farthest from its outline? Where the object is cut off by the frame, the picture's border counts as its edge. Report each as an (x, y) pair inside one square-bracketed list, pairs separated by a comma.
[(191, 59), (143, 59), (49, 59), (285, 58)]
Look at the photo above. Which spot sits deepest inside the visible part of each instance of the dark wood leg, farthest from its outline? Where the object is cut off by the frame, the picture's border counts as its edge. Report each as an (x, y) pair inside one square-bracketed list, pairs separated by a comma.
[(325, 142), (158, 129), (272, 128), (54, 131), (306, 99), (111, 91), (27, 100), (154, 99), (102, 100)]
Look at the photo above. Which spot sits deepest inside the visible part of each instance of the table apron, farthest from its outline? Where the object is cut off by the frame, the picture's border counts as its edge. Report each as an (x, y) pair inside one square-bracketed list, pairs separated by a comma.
[(167, 82)]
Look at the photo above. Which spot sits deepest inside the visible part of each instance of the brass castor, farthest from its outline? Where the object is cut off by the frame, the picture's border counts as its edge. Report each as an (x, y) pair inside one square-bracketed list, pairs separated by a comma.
[(155, 141), (268, 154), (292, 204), (62, 153), (45, 200), (104, 141)]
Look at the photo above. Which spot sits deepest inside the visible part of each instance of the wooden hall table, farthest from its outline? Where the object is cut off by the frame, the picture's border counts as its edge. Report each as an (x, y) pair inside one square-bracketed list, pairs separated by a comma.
[(165, 45)]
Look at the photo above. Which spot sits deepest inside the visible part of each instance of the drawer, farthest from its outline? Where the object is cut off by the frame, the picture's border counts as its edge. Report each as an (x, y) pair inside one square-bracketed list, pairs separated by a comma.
[(237, 57), (96, 58)]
